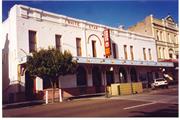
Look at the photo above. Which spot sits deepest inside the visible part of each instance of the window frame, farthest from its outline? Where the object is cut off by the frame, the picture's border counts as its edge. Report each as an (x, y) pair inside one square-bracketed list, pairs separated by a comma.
[(94, 52), (125, 52), (78, 47), (58, 43), (32, 43)]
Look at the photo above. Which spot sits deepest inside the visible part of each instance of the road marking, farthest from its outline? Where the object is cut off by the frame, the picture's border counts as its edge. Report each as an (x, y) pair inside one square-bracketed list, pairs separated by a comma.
[(139, 105)]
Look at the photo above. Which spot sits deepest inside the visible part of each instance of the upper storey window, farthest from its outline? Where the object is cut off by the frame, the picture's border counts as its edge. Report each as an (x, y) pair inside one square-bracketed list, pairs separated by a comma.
[(78, 46), (32, 41), (161, 35), (150, 56), (125, 52), (170, 53), (144, 53), (132, 54), (169, 38), (157, 35), (114, 50), (94, 49), (58, 41), (159, 52)]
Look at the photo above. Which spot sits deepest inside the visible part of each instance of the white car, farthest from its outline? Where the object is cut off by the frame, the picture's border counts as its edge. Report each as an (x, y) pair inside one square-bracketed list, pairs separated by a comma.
[(159, 82)]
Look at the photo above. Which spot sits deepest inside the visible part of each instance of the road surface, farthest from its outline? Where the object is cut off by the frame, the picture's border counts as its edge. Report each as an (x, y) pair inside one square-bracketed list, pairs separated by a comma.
[(157, 103)]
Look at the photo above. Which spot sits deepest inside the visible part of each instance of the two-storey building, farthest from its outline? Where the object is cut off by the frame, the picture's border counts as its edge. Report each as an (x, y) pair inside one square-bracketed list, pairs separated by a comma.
[(104, 54)]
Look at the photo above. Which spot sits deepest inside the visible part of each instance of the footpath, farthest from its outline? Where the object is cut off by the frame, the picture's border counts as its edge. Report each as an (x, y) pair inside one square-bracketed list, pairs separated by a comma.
[(85, 97)]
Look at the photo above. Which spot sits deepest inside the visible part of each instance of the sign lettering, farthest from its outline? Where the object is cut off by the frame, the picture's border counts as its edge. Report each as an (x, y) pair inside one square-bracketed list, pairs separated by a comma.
[(93, 27), (107, 43), (72, 22)]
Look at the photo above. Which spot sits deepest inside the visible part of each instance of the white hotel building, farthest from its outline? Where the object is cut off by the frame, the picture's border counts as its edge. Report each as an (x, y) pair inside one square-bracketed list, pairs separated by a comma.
[(133, 56)]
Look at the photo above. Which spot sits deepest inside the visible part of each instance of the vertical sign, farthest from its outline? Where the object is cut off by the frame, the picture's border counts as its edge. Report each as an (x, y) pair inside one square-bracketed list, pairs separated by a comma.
[(107, 43)]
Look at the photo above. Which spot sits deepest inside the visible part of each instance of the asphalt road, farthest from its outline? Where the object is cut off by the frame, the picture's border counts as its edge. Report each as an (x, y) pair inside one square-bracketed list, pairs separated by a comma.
[(158, 103)]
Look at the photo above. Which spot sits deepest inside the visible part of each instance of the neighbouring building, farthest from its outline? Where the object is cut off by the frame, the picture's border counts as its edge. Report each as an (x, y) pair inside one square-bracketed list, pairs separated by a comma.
[(165, 32), (104, 54)]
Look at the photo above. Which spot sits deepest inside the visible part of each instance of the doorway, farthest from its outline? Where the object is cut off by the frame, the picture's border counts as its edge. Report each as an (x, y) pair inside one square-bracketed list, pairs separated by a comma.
[(150, 78), (133, 75), (122, 75), (109, 77), (29, 86), (96, 76)]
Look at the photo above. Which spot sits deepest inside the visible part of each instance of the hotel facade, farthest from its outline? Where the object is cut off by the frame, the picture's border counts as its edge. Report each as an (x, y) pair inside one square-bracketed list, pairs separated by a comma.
[(105, 55), (165, 31)]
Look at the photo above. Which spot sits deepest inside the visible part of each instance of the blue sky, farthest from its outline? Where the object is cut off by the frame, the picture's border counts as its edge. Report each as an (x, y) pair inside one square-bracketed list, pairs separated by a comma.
[(111, 13)]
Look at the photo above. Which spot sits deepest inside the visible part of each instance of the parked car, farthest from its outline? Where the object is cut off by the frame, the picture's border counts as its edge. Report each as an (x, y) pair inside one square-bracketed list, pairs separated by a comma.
[(159, 82)]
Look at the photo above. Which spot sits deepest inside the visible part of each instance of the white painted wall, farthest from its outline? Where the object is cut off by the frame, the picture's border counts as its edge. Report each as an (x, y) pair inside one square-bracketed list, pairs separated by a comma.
[(48, 24), (47, 29)]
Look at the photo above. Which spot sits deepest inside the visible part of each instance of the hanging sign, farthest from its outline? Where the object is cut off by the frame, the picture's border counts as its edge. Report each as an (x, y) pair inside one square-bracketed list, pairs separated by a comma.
[(107, 43)]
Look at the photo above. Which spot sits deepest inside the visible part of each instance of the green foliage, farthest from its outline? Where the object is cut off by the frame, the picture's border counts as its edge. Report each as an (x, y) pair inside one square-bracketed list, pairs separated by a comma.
[(50, 64)]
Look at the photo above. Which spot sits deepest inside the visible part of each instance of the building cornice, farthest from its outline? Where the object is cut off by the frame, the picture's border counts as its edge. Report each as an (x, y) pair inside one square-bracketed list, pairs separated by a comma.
[(80, 23)]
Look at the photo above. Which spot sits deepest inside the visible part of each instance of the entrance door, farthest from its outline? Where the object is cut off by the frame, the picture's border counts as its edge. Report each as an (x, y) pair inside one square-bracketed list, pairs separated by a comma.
[(150, 78), (109, 77), (29, 85), (133, 75), (96, 76)]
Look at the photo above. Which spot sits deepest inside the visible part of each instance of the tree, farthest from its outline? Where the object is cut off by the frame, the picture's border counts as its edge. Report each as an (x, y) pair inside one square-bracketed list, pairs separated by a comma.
[(49, 64)]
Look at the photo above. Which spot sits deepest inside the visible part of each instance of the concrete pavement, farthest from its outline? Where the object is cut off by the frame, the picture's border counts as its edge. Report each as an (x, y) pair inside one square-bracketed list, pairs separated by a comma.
[(97, 108), (159, 95)]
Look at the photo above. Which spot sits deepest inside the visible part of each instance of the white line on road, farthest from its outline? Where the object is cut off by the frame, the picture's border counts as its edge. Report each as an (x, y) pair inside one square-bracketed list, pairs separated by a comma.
[(139, 105)]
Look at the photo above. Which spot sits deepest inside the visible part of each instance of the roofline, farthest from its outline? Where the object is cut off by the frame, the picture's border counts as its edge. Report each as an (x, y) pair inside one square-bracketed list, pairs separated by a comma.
[(83, 21)]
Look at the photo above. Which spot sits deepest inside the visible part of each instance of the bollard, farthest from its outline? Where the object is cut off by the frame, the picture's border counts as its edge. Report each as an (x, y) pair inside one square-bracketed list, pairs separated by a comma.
[(60, 96), (46, 97)]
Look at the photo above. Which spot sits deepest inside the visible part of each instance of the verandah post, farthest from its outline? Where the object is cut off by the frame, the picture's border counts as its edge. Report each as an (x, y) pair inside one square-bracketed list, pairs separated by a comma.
[(60, 95), (46, 96)]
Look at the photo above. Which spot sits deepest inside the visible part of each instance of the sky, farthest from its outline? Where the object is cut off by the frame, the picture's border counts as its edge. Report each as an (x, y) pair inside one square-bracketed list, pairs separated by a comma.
[(110, 13)]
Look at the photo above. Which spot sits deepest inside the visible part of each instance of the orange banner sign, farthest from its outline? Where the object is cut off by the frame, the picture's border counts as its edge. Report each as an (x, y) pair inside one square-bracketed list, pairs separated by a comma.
[(107, 42)]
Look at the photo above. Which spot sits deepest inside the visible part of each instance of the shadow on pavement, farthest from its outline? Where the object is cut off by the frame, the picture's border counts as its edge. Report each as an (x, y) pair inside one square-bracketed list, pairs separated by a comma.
[(19, 105), (171, 111), (85, 96)]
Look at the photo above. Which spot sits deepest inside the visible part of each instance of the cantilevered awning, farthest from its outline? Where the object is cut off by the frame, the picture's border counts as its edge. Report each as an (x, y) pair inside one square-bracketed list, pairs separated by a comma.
[(170, 60), (110, 61)]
